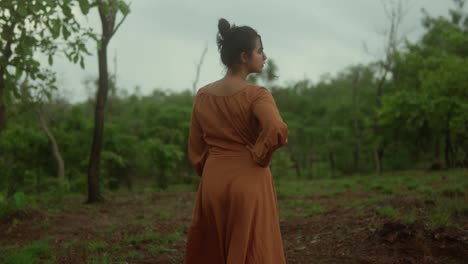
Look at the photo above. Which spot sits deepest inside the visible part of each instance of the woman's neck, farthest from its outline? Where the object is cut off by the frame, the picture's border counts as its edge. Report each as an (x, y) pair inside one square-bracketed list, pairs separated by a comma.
[(238, 74)]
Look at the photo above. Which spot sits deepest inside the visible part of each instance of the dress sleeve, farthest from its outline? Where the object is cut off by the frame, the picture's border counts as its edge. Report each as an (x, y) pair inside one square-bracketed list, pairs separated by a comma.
[(273, 131), (197, 147)]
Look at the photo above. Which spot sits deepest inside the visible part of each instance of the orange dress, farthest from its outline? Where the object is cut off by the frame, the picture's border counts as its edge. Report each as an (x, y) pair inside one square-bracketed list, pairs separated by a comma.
[(232, 139)]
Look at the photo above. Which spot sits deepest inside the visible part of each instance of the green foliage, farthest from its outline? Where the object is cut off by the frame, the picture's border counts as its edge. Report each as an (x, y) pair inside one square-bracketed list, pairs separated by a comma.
[(52, 22), (334, 123), (282, 166), (165, 157), (36, 252), (19, 201), (428, 107)]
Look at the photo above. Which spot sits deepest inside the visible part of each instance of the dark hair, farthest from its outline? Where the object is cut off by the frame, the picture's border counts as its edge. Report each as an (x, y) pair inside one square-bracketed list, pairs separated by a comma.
[(233, 40)]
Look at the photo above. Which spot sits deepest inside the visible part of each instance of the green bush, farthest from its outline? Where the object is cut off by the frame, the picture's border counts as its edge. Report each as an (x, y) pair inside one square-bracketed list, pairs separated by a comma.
[(20, 201)]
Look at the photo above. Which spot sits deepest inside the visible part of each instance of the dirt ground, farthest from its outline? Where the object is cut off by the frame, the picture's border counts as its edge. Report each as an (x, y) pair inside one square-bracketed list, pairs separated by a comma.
[(151, 228)]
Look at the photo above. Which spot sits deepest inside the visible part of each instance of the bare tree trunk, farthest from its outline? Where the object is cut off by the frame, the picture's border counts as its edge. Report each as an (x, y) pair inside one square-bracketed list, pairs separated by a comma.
[(357, 134), (107, 13), (437, 149), (448, 145), (378, 156), (297, 168), (94, 194), (6, 57), (197, 73), (2, 102), (53, 146), (296, 163), (331, 159), (395, 14)]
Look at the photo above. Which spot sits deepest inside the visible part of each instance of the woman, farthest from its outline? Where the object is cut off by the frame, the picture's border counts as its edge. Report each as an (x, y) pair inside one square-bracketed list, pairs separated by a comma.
[(235, 128)]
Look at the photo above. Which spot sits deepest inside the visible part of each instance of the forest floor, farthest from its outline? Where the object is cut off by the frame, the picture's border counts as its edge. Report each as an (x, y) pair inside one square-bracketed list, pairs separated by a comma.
[(407, 217)]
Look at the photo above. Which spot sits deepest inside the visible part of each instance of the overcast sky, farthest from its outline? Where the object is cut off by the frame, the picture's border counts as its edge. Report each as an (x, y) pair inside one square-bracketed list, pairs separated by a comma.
[(161, 41)]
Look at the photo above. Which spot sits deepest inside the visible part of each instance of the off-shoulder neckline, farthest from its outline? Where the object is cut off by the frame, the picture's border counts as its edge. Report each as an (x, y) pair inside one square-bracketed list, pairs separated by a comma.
[(228, 95)]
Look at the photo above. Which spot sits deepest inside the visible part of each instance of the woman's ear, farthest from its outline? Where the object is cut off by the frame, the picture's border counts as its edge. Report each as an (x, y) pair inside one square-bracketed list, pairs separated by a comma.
[(243, 57)]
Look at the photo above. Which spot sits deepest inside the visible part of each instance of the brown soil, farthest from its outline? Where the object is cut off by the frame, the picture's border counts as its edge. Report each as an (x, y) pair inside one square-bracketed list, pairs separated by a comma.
[(339, 235)]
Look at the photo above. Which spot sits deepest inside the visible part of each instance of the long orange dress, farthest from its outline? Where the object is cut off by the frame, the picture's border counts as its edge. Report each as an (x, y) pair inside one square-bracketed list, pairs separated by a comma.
[(231, 143)]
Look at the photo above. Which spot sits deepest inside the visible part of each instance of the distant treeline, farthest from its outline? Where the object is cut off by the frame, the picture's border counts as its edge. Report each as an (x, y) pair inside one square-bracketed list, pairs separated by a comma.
[(406, 111)]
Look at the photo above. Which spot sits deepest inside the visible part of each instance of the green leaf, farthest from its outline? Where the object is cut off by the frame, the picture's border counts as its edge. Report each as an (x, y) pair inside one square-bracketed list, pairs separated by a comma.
[(104, 6), (55, 30), (19, 72), (51, 59), (84, 6), (76, 58), (65, 32), (67, 10), (82, 62), (124, 8), (22, 8), (83, 48)]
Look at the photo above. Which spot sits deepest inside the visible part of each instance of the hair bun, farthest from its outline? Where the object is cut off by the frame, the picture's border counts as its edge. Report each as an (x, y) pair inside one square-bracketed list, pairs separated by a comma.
[(223, 27)]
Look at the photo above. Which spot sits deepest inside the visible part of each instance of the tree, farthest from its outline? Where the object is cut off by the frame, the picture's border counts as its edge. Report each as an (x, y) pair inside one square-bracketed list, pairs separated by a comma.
[(36, 102), (395, 12), (431, 89), (31, 28), (108, 10), (198, 69)]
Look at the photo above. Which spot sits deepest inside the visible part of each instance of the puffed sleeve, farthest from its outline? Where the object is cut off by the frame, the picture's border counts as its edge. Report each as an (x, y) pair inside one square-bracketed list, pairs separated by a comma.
[(273, 131), (197, 147)]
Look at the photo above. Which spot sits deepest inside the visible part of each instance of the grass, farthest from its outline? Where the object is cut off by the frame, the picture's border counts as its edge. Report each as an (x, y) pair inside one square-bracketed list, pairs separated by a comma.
[(134, 255), (425, 187), (99, 260), (439, 218), (157, 250), (162, 215), (410, 217), (158, 228), (313, 209), (389, 211), (33, 253), (143, 238), (97, 246), (173, 237)]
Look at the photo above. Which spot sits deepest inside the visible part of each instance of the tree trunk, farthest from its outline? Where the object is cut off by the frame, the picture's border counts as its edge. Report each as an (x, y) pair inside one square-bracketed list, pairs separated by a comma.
[(2, 102), (197, 73), (357, 134), (331, 159), (437, 149), (107, 13), (378, 155), (94, 194), (448, 148), (7, 54), (53, 146), (297, 168)]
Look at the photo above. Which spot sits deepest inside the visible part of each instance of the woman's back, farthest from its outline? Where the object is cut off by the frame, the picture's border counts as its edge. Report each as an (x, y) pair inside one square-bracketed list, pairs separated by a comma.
[(228, 121), (234, 130), (232, 140)]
